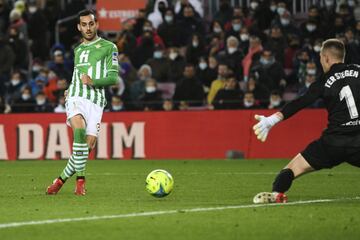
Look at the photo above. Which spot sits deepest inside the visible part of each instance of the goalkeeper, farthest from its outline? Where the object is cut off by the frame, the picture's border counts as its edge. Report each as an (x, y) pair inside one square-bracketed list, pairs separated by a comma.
[(339, 88)]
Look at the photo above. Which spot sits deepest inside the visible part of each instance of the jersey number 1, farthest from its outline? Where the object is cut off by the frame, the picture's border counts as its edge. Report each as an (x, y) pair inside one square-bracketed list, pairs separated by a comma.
[(350, 102)]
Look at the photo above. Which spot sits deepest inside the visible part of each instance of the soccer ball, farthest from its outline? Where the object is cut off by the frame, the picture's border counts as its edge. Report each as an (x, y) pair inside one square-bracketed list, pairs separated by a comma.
[(159, 183)]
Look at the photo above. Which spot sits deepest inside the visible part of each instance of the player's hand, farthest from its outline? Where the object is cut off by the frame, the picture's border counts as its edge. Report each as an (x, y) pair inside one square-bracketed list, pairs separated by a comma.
[(86, 80), (262, 128)]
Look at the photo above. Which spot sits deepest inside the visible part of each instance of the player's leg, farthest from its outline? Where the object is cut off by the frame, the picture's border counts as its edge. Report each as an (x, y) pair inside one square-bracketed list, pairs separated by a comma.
[(76, 162)]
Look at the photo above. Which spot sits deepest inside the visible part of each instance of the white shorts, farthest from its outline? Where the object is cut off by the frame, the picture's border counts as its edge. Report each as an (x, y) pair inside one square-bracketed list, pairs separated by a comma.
[(91, 112)]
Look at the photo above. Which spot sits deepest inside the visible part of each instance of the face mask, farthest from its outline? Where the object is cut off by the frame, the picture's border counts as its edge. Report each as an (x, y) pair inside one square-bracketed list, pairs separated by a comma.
[(203, 65), (236, 27), (275, 103), (265, 61), (231, 50), (147, 29), (150, 89), (36, 68), (351, 3), (15, 82), (244, 37), (25, 97), (311, 71), (116, 107), (248, 103), (254, 5), (40, 101), (273, 8), (169, 19), (217, 30), (32, 9), (195, 44), (317, 48), (280, 10), (310, 27), (158, 54), (173, 55), (307, 84), (284, 21)]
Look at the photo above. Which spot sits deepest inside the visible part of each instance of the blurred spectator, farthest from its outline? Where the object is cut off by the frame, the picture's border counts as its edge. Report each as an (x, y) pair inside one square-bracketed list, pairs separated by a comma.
[(352, 47), (286, 24), (207, 71), (159, 64), (230, 97), (19, 48), (25, 104), (270, 72), (189, 25), (216, 45), (127, 71), (183, 106), (137, 88), (38, 84), (189, 88), (16, 21), (117, 104), (42, 105), (195, 49), (225, 12), (151, 100), (169, 31), (310, 79), (55, 88), (38, 31), (219, 83), (60, 108), (126, 41), (59, 65), (168, 105), (277, 42), (255, 48), (196, 5), (236, 25), (260, 14), (157, 16), (176, 65), (261, 93), (310, 31), (232, 56), (4, 16), (249, 101), (7, 58), (244, 40), (14, 88), (275, 101), (139, 23), (346, 15)]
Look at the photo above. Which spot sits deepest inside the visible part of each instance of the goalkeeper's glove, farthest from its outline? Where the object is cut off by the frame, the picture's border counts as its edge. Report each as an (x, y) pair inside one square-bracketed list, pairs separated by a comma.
[(262, 128)]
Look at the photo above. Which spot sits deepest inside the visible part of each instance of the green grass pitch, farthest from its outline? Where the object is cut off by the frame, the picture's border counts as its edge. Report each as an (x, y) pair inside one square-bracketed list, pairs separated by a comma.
[(117, 188)]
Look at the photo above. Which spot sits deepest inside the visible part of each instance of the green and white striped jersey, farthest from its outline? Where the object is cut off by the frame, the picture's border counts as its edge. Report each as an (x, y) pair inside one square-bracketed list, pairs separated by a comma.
[(95, 59)]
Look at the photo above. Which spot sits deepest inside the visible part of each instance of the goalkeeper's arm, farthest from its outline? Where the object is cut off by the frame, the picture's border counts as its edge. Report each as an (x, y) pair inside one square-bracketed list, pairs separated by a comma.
[(264, 125)]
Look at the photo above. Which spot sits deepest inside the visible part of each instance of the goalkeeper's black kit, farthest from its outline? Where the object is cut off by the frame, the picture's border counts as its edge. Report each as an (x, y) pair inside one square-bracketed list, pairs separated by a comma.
[(339, 89)]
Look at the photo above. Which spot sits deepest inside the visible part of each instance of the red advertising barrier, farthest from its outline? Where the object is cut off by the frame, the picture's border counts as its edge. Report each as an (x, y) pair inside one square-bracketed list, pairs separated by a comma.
[(160, 135)]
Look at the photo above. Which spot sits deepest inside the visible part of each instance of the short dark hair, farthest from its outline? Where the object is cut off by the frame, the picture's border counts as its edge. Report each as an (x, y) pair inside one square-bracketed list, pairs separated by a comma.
[(336, 47), (86, 12)]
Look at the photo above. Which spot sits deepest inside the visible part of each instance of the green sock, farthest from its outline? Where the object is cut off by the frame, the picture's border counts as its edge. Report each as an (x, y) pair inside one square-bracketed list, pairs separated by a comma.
[(80, 151)]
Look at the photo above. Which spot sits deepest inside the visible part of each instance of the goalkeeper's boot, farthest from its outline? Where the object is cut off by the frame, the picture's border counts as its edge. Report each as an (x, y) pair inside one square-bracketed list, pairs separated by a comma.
[(270, 197), (80, 187), (55, 187)]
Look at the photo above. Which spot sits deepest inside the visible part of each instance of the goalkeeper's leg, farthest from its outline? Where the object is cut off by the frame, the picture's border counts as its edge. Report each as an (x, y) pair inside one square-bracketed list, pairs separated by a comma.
[(282, 183)]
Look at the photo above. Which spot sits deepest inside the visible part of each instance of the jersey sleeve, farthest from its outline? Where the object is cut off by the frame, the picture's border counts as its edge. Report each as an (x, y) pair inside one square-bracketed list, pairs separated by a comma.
[(112, 63), (314, 92)]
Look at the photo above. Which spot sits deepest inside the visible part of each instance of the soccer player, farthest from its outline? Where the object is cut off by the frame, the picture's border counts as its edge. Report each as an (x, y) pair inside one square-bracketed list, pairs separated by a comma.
[(339, 88), (95, 67)]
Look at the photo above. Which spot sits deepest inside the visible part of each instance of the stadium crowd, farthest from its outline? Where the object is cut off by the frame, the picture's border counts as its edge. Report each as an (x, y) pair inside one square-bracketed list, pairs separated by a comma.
[(172, 57)]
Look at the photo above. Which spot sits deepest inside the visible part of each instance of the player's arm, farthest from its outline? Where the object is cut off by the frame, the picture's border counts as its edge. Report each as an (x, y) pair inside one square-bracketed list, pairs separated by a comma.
[(112, 76), (262, 128)]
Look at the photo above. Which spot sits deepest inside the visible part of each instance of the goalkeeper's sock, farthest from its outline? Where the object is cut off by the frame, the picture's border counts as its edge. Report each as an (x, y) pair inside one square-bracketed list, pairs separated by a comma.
[(283, 181)]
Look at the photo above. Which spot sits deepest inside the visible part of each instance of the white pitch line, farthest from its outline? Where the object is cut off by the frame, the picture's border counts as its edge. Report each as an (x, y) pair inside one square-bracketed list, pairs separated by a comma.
[(156, 213)]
